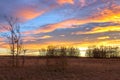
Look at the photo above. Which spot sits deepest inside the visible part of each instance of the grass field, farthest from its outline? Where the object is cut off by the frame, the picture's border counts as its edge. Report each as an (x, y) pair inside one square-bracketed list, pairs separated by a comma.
[(77, 69)]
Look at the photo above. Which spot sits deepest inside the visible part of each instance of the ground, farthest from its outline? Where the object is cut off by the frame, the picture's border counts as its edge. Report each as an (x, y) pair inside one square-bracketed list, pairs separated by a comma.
[(76, 69)]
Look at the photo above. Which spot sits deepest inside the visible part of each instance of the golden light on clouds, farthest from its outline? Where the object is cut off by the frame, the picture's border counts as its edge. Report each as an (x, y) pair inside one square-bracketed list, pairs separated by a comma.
[(81, 44), (103, 29), (99, 43), (65, 1), (99, 30), (108, 15), (103, 37), (60, 25)]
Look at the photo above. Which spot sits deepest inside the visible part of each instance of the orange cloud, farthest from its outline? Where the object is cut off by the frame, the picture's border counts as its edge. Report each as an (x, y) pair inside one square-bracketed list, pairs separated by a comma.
[(98, 43), (80, 44), (103, 37), (4, 27), (2, 39), (100, 30), (31, 13), (106, 15), (49, 43), (105, 29), (111, 14), (65, 1), (60, 25)]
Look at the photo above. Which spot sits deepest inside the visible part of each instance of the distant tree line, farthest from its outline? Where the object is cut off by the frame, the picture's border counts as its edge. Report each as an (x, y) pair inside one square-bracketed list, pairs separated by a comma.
[(56, 56), (53, 51), (102, 52)]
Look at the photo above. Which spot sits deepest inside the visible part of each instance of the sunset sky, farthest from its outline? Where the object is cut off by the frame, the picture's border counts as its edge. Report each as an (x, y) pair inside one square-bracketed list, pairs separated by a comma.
[(79, 23)]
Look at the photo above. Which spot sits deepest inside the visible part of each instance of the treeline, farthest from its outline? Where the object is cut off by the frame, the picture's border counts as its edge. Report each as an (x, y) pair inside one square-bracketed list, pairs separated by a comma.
[(93, 51), (56, 56), (103, 52), (53, 51)]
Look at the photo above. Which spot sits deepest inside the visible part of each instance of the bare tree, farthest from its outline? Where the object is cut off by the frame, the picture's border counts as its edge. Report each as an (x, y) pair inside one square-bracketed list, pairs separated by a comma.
[(102, 52), (73, 52), (13, 36), (50, 53), (23, 57), (62, 63)]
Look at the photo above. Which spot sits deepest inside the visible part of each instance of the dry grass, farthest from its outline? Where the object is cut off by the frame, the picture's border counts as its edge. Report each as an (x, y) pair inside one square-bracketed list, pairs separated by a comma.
[(77, 69)]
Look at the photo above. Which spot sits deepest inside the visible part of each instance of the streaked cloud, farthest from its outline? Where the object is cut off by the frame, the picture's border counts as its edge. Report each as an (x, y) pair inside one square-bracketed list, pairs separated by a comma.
[(79, 44), (29, 14), (105, 15), (65, 1), (103, 37), (110, 14), (100, 30), (45, 37), (29, 38), (60, 25)]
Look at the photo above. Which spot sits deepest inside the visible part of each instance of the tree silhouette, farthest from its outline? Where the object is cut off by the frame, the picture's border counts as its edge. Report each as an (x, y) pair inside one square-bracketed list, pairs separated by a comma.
[(13, 36), (24, 52), (73, 52), (102, 52)]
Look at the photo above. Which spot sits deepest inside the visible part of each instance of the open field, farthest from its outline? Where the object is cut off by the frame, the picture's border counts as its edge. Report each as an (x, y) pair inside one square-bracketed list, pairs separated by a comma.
[(77, 69)]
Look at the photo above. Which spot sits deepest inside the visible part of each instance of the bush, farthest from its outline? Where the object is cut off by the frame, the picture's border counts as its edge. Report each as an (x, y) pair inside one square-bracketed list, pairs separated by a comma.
[(102, 52)]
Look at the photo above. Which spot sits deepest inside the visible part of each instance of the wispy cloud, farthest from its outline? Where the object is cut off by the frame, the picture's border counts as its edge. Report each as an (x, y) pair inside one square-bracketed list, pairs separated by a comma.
[(45, 37), (28, 14), (98, 29), (110, 14), (103, 37), (65, 2)]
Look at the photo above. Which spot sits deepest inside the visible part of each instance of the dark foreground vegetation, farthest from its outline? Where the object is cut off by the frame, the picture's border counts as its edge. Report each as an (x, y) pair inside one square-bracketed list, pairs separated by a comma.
[(103, 52), (76, 69)]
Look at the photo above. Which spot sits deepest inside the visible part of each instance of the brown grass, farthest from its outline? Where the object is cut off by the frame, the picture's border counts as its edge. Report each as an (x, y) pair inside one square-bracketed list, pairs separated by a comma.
[(77, 69)]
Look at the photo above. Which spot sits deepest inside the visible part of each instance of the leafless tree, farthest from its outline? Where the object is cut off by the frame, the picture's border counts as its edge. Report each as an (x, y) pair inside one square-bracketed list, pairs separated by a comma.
[(73, 52), (50, 53), (102, 52), (42, 52), (23, 57), (13, 36), (63, 59)]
